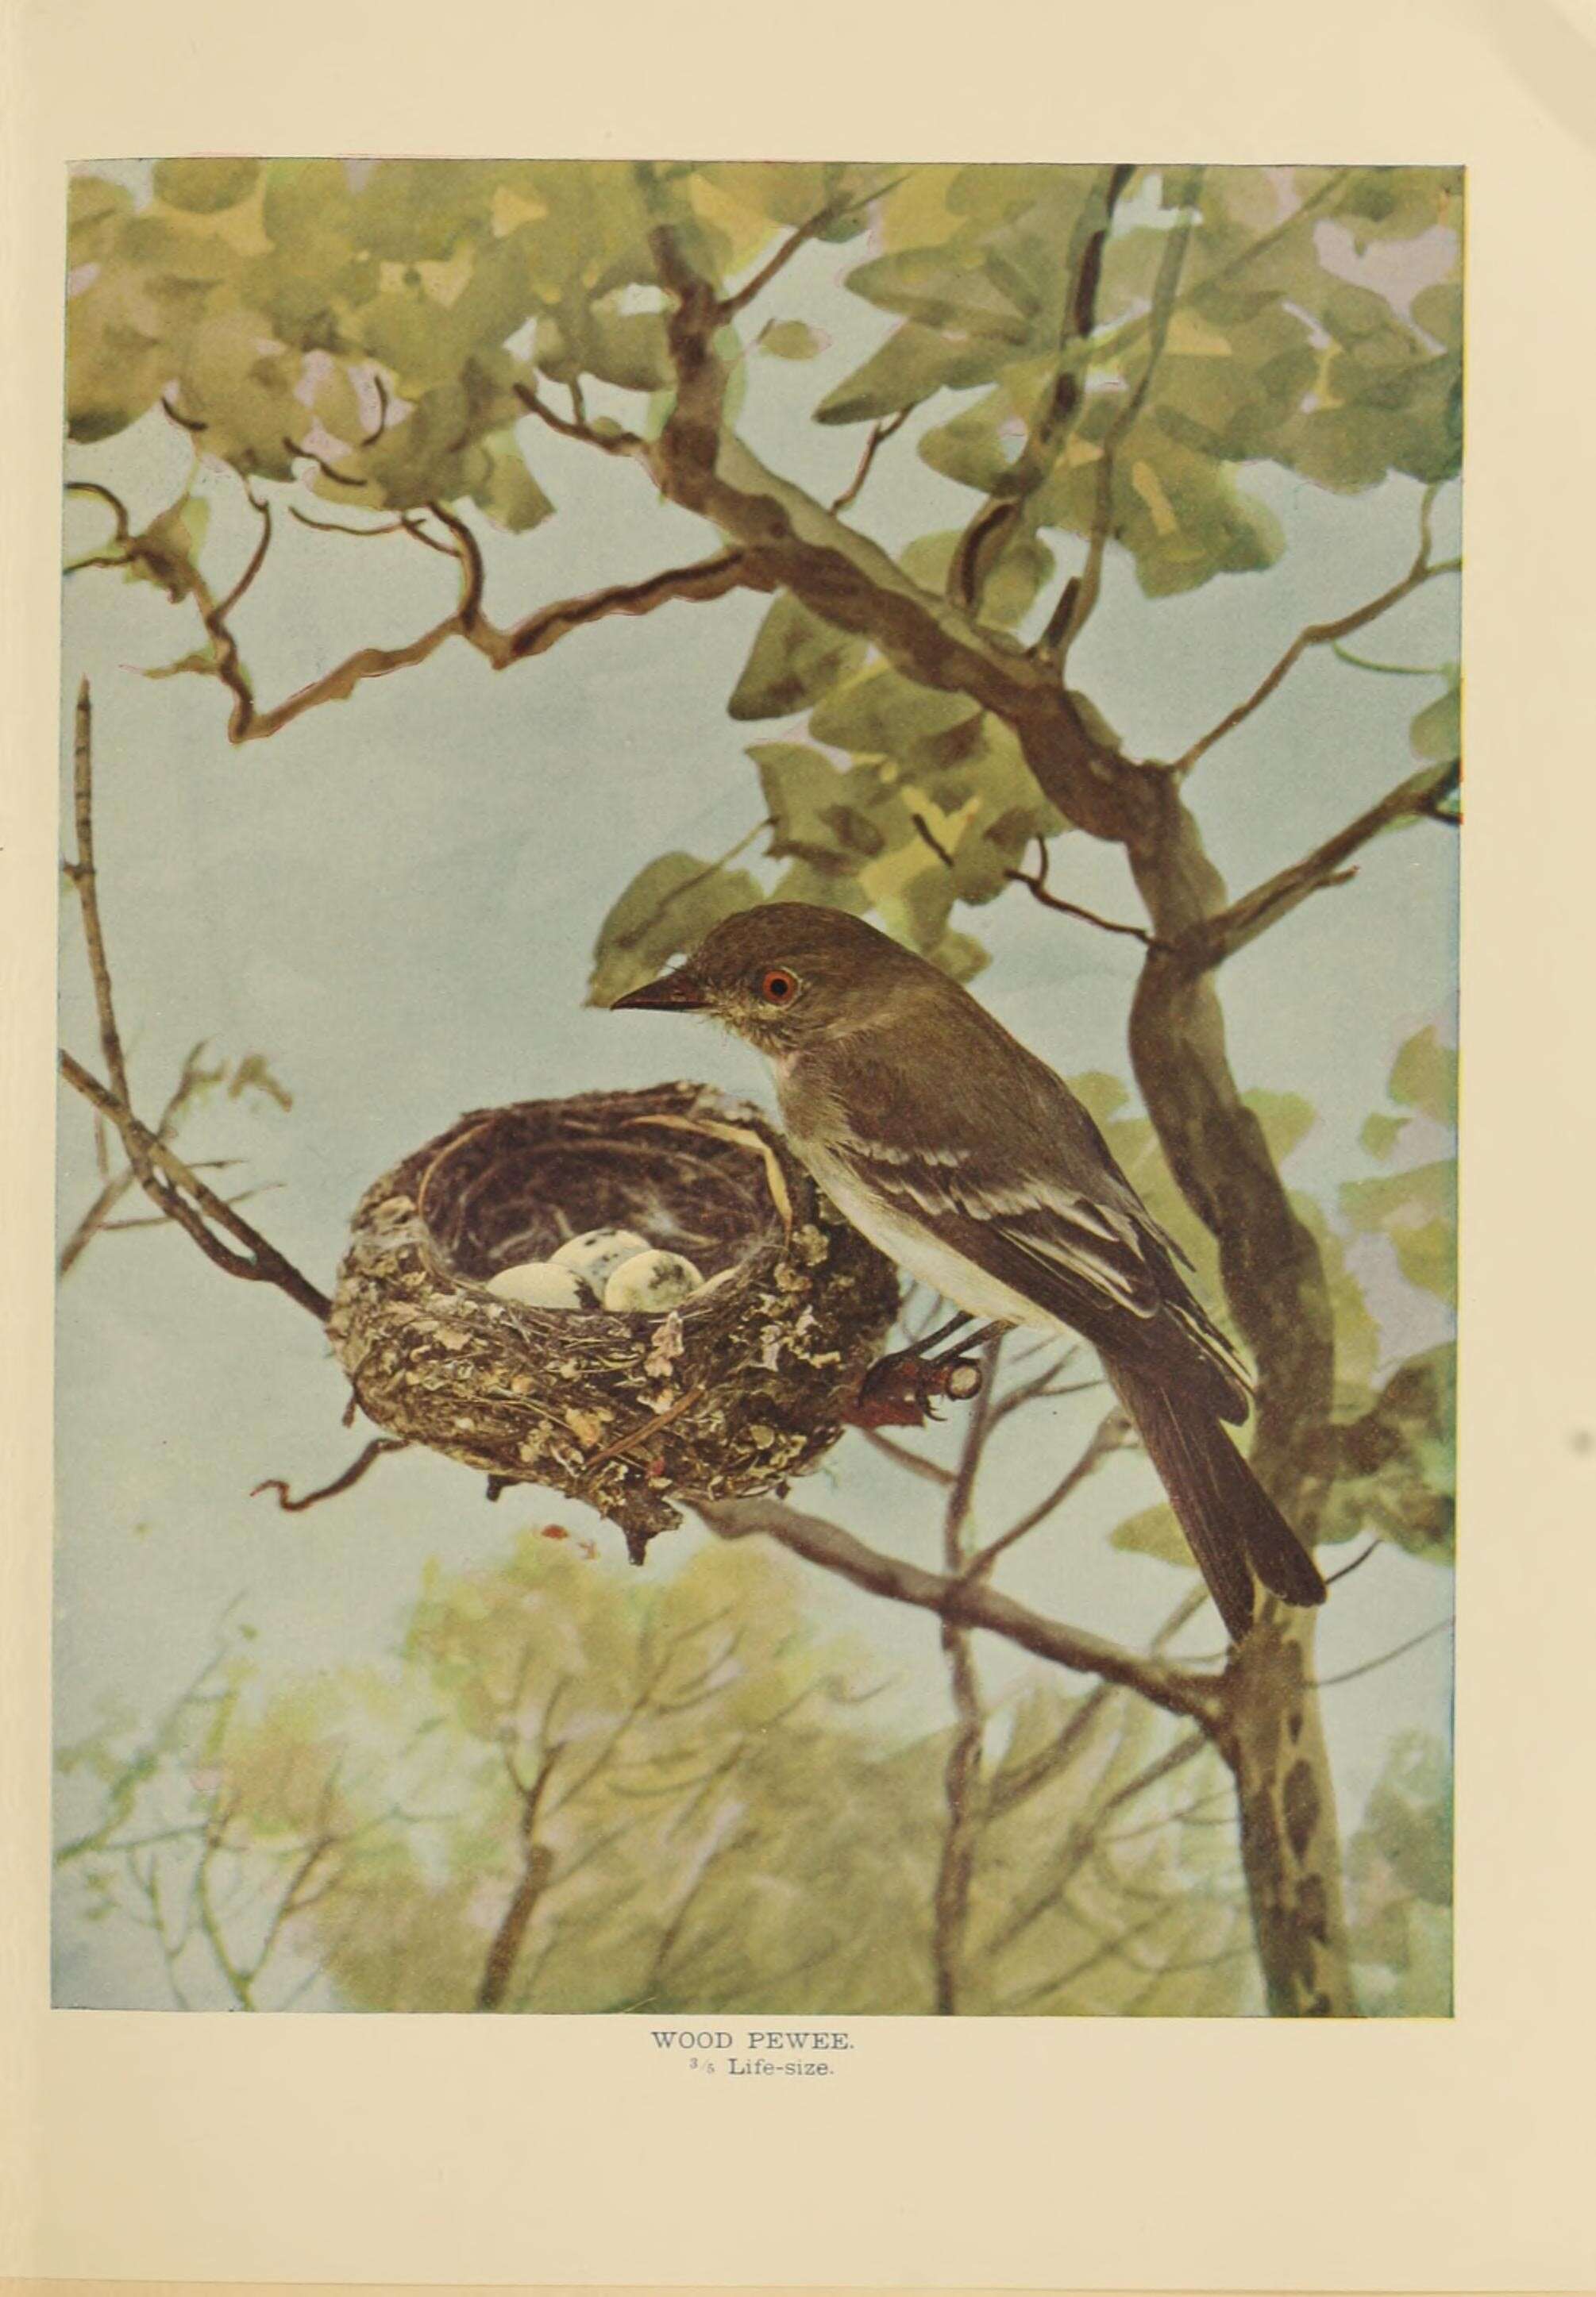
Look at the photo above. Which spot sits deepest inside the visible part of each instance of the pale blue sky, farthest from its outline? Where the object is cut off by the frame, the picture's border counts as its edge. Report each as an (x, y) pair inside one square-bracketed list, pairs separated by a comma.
[(396, 900)]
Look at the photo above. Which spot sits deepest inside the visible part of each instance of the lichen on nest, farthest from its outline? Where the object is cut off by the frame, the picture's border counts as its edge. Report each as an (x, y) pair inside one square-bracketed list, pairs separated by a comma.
[(742, 1386)]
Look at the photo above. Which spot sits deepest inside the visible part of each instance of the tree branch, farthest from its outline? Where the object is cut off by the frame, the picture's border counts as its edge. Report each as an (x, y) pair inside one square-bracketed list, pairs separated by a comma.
[(1220, 937), (1424, 569), (833, 211), (881, 431), (1079, 601), (171, 1185), (704, 580), (1397, 1651), (930, 1472), (992, 528), (964, 1602), (192, 1079), (352, 1476), (611, 440), (1108, 1437), (854, 584), (1035, 882), (261, 1262)]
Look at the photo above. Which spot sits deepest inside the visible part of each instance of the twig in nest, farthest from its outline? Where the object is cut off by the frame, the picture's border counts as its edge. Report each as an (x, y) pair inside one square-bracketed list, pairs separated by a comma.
[(350, 1475), (745, 1137), (636, 1434)]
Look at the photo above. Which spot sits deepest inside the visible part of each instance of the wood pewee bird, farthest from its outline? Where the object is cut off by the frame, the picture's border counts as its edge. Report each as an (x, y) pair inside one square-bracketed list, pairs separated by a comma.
[(966, 1159)]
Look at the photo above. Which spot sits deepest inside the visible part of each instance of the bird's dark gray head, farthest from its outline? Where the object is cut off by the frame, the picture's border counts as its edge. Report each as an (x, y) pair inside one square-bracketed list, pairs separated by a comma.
[(787, 975)]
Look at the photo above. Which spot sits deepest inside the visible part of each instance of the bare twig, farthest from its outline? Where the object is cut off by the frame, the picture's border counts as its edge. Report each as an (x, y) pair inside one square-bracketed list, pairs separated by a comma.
[(888, 426), (1115, 339), (337, 526), (1108, 1437), (729, 306), (1347, 1570), (930, 1472), (962, 1782), (1398, 1651), (263, 511), (1385, 669), (1035, 882), (328, 470), (1424, 569), (1221, 936), (352, 1476), (173, 1185), (98, 1215), (189, 422), (611, 440), (113, 503)]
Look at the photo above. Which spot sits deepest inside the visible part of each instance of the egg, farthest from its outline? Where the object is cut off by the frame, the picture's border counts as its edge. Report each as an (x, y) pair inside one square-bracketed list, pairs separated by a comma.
[(649, 1284), (599, 1251), (541, 1284)]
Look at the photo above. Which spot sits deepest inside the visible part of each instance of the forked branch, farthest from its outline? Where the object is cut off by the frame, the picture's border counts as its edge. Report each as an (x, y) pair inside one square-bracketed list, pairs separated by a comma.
[(174, 1189), (1424, 569), (703, 580), (1420, 797)]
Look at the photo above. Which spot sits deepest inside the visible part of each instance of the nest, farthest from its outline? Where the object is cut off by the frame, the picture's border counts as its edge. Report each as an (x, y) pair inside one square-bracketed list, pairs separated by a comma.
[(742, 1386)]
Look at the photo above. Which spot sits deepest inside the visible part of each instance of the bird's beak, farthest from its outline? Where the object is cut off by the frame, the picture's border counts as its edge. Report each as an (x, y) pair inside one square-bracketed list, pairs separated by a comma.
[(673, 992)]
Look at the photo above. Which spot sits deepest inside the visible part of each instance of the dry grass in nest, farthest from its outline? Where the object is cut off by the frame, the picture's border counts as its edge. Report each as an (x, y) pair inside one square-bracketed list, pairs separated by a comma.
[(742, 1386)]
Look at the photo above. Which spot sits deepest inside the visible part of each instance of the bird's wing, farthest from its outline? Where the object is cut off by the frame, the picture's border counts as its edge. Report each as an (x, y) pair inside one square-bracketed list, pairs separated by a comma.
[(1099, 1266)]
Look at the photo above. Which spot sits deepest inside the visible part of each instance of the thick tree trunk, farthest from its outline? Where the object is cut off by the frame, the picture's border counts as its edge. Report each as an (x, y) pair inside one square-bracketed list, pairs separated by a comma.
[(1275, 1281), (510, 1937), (1290, 1852)]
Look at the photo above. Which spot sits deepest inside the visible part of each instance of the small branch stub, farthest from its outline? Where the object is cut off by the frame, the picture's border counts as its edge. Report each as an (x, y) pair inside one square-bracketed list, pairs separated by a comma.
[(747, 1383)]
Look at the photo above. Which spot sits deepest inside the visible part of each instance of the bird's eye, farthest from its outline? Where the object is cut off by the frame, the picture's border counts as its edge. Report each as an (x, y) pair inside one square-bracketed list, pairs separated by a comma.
[(779, 986)]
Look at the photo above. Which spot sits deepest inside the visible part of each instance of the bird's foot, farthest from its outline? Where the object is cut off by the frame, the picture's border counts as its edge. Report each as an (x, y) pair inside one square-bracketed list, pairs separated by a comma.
[(902, 1390)]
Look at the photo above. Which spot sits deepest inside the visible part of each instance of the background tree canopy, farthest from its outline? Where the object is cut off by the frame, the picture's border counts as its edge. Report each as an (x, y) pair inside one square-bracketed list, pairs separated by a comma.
[(964, 454)]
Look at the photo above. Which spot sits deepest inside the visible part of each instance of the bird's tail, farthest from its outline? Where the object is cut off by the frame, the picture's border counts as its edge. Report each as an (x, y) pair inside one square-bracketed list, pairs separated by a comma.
[(1234, 1528)]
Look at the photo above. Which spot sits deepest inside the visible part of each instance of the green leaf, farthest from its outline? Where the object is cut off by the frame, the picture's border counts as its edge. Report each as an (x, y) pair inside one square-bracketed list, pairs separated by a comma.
[(909, 367), (254, 1074), (1438, 310), (884, 714), (1287, 1119), (667, 910), (939, 289), (202, 186), (1425, 1076), (1380, 1135), (1399, 202), (1012, 587), (1417, 1211), (1393, 1467), (796, 659), (96, 210), (1154, 1532), (509, 494), (1436, 734), (801, 789), (790, 339), (168, 545), (958, 954)]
